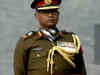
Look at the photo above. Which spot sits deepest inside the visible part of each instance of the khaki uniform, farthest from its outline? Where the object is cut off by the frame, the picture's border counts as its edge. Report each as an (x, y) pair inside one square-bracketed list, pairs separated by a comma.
[(31, 57)]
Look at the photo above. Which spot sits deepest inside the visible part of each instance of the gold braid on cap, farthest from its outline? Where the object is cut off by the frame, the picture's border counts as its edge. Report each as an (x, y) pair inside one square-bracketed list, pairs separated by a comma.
[(68, 56)]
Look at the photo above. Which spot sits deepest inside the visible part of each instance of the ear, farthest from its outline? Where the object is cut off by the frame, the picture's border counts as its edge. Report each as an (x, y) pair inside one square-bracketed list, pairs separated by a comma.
[(36, 15)]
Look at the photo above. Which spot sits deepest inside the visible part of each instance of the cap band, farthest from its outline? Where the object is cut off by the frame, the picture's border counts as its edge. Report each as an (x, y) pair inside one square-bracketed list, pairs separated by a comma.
[(49, 7)]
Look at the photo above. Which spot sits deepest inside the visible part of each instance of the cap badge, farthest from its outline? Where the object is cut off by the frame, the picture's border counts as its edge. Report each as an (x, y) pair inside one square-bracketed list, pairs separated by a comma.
[(48, 1)]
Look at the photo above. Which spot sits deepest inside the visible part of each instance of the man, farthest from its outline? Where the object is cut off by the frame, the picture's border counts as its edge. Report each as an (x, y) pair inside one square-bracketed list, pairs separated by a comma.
[(48, 51)]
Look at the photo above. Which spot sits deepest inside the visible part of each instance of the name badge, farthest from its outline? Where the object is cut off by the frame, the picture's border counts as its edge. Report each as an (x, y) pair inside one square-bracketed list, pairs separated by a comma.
[(37, 49)]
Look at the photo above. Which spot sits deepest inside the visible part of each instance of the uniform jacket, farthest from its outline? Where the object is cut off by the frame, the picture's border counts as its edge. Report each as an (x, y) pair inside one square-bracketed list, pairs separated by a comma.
[(31, 54)]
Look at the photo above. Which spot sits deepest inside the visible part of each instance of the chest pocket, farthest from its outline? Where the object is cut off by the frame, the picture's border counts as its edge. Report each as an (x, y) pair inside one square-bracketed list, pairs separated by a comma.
[(37, 58)]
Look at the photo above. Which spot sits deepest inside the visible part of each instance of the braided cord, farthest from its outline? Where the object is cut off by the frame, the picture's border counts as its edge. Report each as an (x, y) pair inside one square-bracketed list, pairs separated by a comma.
[(68, 56)]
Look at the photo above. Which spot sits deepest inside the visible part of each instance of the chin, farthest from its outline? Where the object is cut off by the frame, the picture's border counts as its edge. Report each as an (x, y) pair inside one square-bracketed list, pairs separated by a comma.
[(52, 24)]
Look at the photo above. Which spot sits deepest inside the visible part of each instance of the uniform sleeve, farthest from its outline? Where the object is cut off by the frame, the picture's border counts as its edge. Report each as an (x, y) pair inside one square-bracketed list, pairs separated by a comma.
[(83, 71), (19, 58)]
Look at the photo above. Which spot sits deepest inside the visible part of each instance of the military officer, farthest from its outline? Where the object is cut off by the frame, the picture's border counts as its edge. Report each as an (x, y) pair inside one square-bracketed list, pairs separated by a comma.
[(48, 51)]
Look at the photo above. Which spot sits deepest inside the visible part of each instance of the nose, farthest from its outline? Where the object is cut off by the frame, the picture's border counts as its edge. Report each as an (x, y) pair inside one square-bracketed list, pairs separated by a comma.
[(50, 14)]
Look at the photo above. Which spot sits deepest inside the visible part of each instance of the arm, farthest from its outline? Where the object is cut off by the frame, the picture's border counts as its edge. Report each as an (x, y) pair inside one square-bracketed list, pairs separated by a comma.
[(19, 58), (83, 72)]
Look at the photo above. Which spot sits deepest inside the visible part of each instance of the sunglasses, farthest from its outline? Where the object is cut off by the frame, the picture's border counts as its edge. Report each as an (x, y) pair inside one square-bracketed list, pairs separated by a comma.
[(52, 11)]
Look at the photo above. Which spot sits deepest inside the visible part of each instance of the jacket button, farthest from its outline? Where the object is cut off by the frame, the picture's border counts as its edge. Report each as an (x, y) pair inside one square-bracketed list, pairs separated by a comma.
[(38, 55)]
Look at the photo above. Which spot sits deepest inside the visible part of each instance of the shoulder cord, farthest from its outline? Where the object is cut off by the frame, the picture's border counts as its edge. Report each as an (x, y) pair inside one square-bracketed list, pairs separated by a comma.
[(68, 56)]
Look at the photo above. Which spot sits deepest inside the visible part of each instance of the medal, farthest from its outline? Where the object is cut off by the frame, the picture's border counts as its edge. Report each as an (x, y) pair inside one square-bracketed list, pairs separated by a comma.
[(66, 46)]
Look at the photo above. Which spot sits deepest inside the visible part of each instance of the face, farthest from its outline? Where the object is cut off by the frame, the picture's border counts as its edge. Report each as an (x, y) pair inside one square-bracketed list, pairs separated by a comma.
[(47, 18)]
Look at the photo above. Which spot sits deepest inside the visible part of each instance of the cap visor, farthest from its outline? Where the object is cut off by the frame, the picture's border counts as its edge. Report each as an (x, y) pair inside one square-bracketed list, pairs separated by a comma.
[(47, 8)]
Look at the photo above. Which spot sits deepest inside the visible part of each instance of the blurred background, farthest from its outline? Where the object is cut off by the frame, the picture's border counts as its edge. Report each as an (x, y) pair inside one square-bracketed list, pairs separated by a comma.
[(80, 16)]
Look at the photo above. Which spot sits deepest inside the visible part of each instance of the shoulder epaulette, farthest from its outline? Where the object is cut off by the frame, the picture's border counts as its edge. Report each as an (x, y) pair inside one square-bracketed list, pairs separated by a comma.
[(28, 35)]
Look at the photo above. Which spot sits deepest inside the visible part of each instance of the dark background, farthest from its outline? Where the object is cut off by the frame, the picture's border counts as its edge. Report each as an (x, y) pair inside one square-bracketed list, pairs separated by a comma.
[(80, 16)]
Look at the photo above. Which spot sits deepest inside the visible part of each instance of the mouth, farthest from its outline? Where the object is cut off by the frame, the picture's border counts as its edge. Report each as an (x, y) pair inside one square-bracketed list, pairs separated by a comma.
[(51, 23), (52, 19)]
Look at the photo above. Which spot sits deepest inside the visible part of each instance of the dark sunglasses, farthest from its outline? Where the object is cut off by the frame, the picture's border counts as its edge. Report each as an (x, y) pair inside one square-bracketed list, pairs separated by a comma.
[(48, 11)]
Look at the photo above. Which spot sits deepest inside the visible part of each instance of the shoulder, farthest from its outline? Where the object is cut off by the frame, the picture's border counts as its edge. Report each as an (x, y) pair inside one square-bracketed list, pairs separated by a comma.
[(26, 39), (70, 35), (66, 33)]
